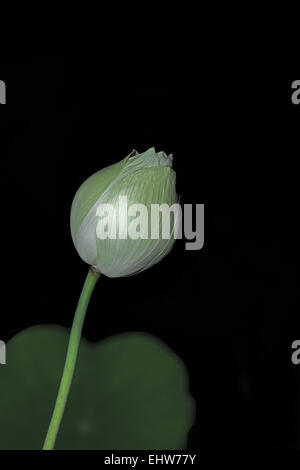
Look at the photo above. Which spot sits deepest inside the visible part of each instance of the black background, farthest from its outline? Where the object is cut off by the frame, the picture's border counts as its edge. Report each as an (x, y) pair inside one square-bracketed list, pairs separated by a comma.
[(230, 310)]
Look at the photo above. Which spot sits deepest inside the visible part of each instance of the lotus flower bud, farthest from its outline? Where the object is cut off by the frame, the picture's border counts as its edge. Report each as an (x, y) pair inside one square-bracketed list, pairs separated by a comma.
[(115, 248)]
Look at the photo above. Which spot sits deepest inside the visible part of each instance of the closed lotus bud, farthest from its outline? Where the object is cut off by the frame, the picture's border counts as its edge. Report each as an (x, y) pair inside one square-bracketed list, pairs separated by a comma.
[(113, 222)]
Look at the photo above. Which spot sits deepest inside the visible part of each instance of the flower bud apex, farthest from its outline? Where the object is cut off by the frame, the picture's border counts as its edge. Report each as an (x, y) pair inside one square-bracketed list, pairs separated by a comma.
[(102, 225)]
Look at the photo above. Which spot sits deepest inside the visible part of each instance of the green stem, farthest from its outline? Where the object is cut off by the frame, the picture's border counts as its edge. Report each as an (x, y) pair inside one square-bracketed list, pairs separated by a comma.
[(71, 357)]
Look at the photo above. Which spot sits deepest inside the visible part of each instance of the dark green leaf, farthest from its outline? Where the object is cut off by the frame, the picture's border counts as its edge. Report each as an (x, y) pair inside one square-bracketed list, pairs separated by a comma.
[(130, 391)]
